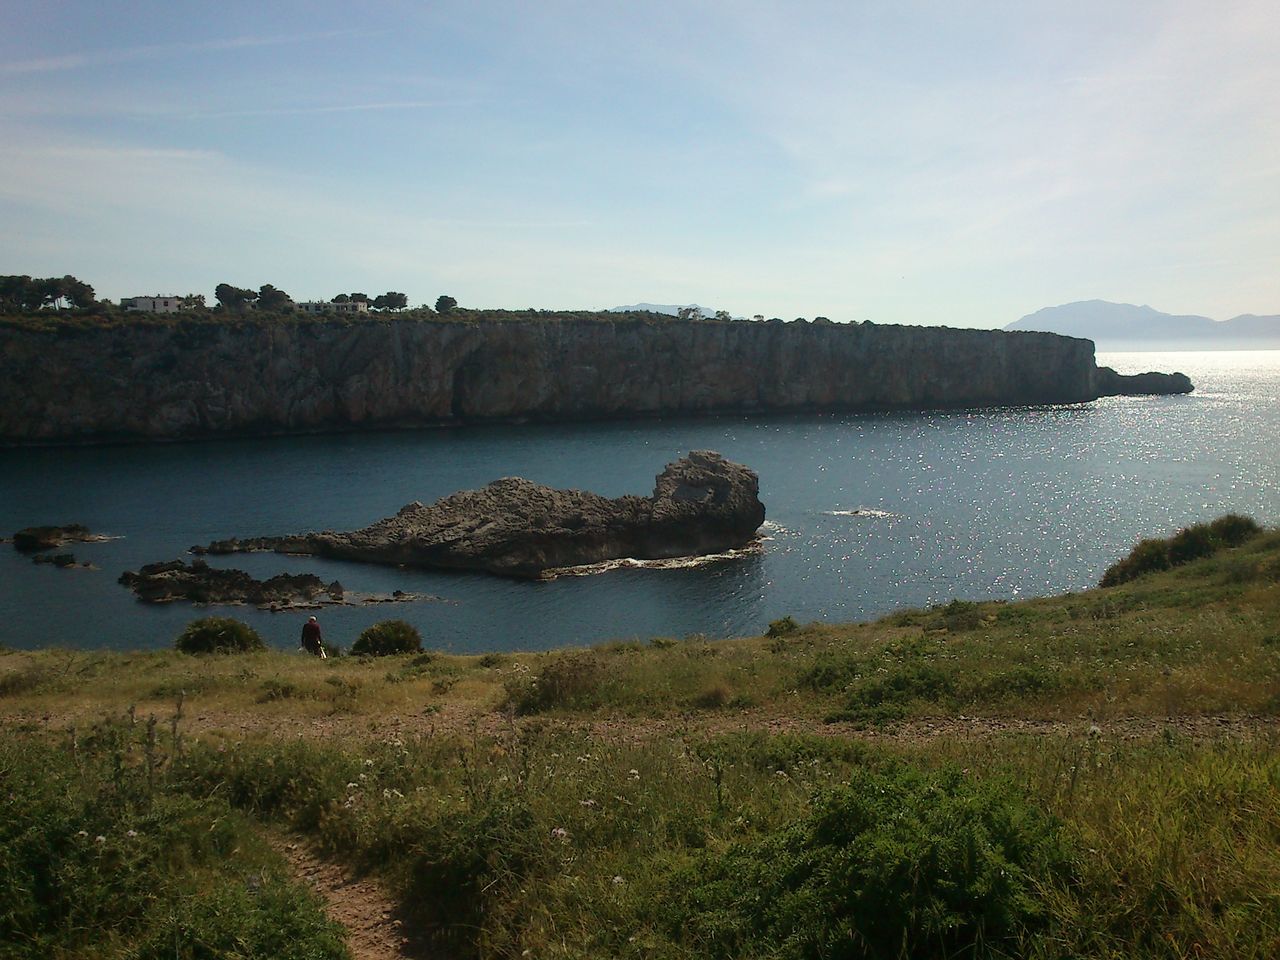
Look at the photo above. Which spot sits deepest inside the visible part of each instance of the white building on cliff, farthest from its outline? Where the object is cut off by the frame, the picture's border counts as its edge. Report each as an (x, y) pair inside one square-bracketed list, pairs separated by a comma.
[(326, 306)]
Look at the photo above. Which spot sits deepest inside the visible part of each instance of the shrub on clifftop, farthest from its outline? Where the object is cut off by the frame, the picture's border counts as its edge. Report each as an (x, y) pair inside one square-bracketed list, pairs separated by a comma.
[(388, 637), (219, 635), (1190, 543), (893, 864)]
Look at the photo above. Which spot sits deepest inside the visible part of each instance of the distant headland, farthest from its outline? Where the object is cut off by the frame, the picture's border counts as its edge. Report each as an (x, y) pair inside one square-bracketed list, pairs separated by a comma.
[(199, 373)]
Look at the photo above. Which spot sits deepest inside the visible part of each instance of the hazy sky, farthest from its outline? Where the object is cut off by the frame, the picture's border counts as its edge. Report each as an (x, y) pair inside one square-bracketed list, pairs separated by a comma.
[(960, 162)]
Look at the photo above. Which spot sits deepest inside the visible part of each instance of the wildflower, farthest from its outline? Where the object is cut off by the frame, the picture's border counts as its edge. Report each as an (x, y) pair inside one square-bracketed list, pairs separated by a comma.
[(633, 774), (353, 785), (618, 880), (83, 833), (368, 763), (131, 834), (99, 839), (561, 834), (587, 803)]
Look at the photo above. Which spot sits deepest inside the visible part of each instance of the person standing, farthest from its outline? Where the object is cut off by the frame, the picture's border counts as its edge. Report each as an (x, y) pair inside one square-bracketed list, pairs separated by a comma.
[(312, 641)]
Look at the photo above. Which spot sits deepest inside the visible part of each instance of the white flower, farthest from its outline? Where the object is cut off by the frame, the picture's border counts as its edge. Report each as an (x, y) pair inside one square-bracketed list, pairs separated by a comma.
[(561, 834), (353, 785), (368, 763), (633, 774), (618, 880), (131, 833), (83, 833), (587, 803), (99, 839)]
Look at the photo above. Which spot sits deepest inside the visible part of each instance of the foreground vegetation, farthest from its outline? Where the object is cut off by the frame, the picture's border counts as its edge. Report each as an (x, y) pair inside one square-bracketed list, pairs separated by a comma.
[(1040, 779)]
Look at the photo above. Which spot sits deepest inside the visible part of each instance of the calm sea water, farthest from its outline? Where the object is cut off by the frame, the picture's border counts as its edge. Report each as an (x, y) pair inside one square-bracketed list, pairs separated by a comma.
[(992, 503)]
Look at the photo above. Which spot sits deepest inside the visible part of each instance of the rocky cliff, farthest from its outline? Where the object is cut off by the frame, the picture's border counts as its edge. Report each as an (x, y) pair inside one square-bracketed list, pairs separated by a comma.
[(701, 504), (201, 377)]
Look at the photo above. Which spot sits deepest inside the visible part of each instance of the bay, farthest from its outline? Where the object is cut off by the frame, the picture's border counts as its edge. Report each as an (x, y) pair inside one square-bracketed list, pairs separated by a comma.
[(866, 513)]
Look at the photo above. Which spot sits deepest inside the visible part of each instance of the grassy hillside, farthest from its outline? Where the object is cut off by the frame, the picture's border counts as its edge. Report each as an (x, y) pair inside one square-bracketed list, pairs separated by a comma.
[(1093, 775)]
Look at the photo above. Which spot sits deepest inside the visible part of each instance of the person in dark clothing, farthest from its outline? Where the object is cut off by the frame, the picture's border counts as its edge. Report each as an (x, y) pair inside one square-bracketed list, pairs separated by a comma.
[(312, 642)]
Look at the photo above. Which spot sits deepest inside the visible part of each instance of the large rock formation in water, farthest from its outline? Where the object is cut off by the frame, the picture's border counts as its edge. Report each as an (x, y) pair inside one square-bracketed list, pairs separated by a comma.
[(160, 379), (701, 504)]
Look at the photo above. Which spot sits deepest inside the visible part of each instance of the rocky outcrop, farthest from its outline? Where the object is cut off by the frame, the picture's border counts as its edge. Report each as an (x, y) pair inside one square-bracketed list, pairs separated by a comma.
[(701, 504), (33, 539), (201, 583), (198, 582), (1108, 383), (152, 379)]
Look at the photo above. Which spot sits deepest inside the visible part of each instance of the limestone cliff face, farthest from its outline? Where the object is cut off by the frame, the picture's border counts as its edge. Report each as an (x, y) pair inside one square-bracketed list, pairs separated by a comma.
[(200, 378)]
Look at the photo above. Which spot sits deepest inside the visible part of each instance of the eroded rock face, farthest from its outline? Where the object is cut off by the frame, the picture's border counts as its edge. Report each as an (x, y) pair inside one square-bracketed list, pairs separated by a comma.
[(156, 381), (701, 504)]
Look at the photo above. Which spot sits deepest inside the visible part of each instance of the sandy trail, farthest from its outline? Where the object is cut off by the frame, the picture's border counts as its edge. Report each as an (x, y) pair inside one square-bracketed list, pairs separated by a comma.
[(376, 927)]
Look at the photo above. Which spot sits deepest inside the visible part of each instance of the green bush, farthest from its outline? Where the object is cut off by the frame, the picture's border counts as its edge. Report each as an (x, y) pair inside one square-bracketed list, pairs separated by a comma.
[(103, 858), (782, 628), (1232, 529), (885, 697), (566, 681), (1190, 543), (218, 635), (893, 864), (388, 637)]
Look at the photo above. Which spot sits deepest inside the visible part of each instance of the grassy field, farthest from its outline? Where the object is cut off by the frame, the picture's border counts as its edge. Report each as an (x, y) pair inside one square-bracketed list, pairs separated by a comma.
[(1092, 775)]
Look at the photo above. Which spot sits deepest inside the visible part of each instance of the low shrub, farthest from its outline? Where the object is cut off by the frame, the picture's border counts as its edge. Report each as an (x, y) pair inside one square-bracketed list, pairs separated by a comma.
[(219, 635), (885, 697), (567, 681), (104, 858), (388, 637), (782, 628), (1190, 543), (1232, 530), (894, 864)]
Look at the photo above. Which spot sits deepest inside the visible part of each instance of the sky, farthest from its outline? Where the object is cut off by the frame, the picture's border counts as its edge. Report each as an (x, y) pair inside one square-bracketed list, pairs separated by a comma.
[(962, 163)]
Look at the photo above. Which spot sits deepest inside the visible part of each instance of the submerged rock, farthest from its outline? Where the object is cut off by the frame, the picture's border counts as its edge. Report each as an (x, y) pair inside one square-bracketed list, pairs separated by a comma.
[(701, 504), (60, 560)]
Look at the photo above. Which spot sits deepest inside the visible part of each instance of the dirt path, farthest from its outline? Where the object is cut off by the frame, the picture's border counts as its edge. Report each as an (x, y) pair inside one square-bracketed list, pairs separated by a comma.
[(641, 729), (375, 928)]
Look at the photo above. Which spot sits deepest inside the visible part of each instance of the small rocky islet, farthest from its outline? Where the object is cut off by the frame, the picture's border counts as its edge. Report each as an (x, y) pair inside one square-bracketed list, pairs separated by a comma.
[(702, 504), (198, 582), (39, 539)]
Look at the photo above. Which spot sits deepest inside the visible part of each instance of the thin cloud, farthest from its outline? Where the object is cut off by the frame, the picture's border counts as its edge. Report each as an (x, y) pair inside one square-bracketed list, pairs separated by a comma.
[(79, 61), (333, 108)]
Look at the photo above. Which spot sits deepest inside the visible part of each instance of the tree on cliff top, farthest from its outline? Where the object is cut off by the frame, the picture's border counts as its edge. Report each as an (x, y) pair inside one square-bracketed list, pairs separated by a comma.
[(235, 299), (445, 304), (21, 293), (390, 301), (271, 298)]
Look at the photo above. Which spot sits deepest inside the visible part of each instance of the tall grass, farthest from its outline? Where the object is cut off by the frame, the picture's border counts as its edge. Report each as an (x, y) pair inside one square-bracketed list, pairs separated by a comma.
[(100, 856)]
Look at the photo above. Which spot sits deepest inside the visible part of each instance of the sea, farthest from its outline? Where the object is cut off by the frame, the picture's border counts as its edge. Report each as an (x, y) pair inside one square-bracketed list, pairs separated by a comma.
[(866, 513)]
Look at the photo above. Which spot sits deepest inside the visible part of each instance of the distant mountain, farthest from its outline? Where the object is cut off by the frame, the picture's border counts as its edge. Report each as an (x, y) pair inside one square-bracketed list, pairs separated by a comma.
[(672, 309), (1124, 326)]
